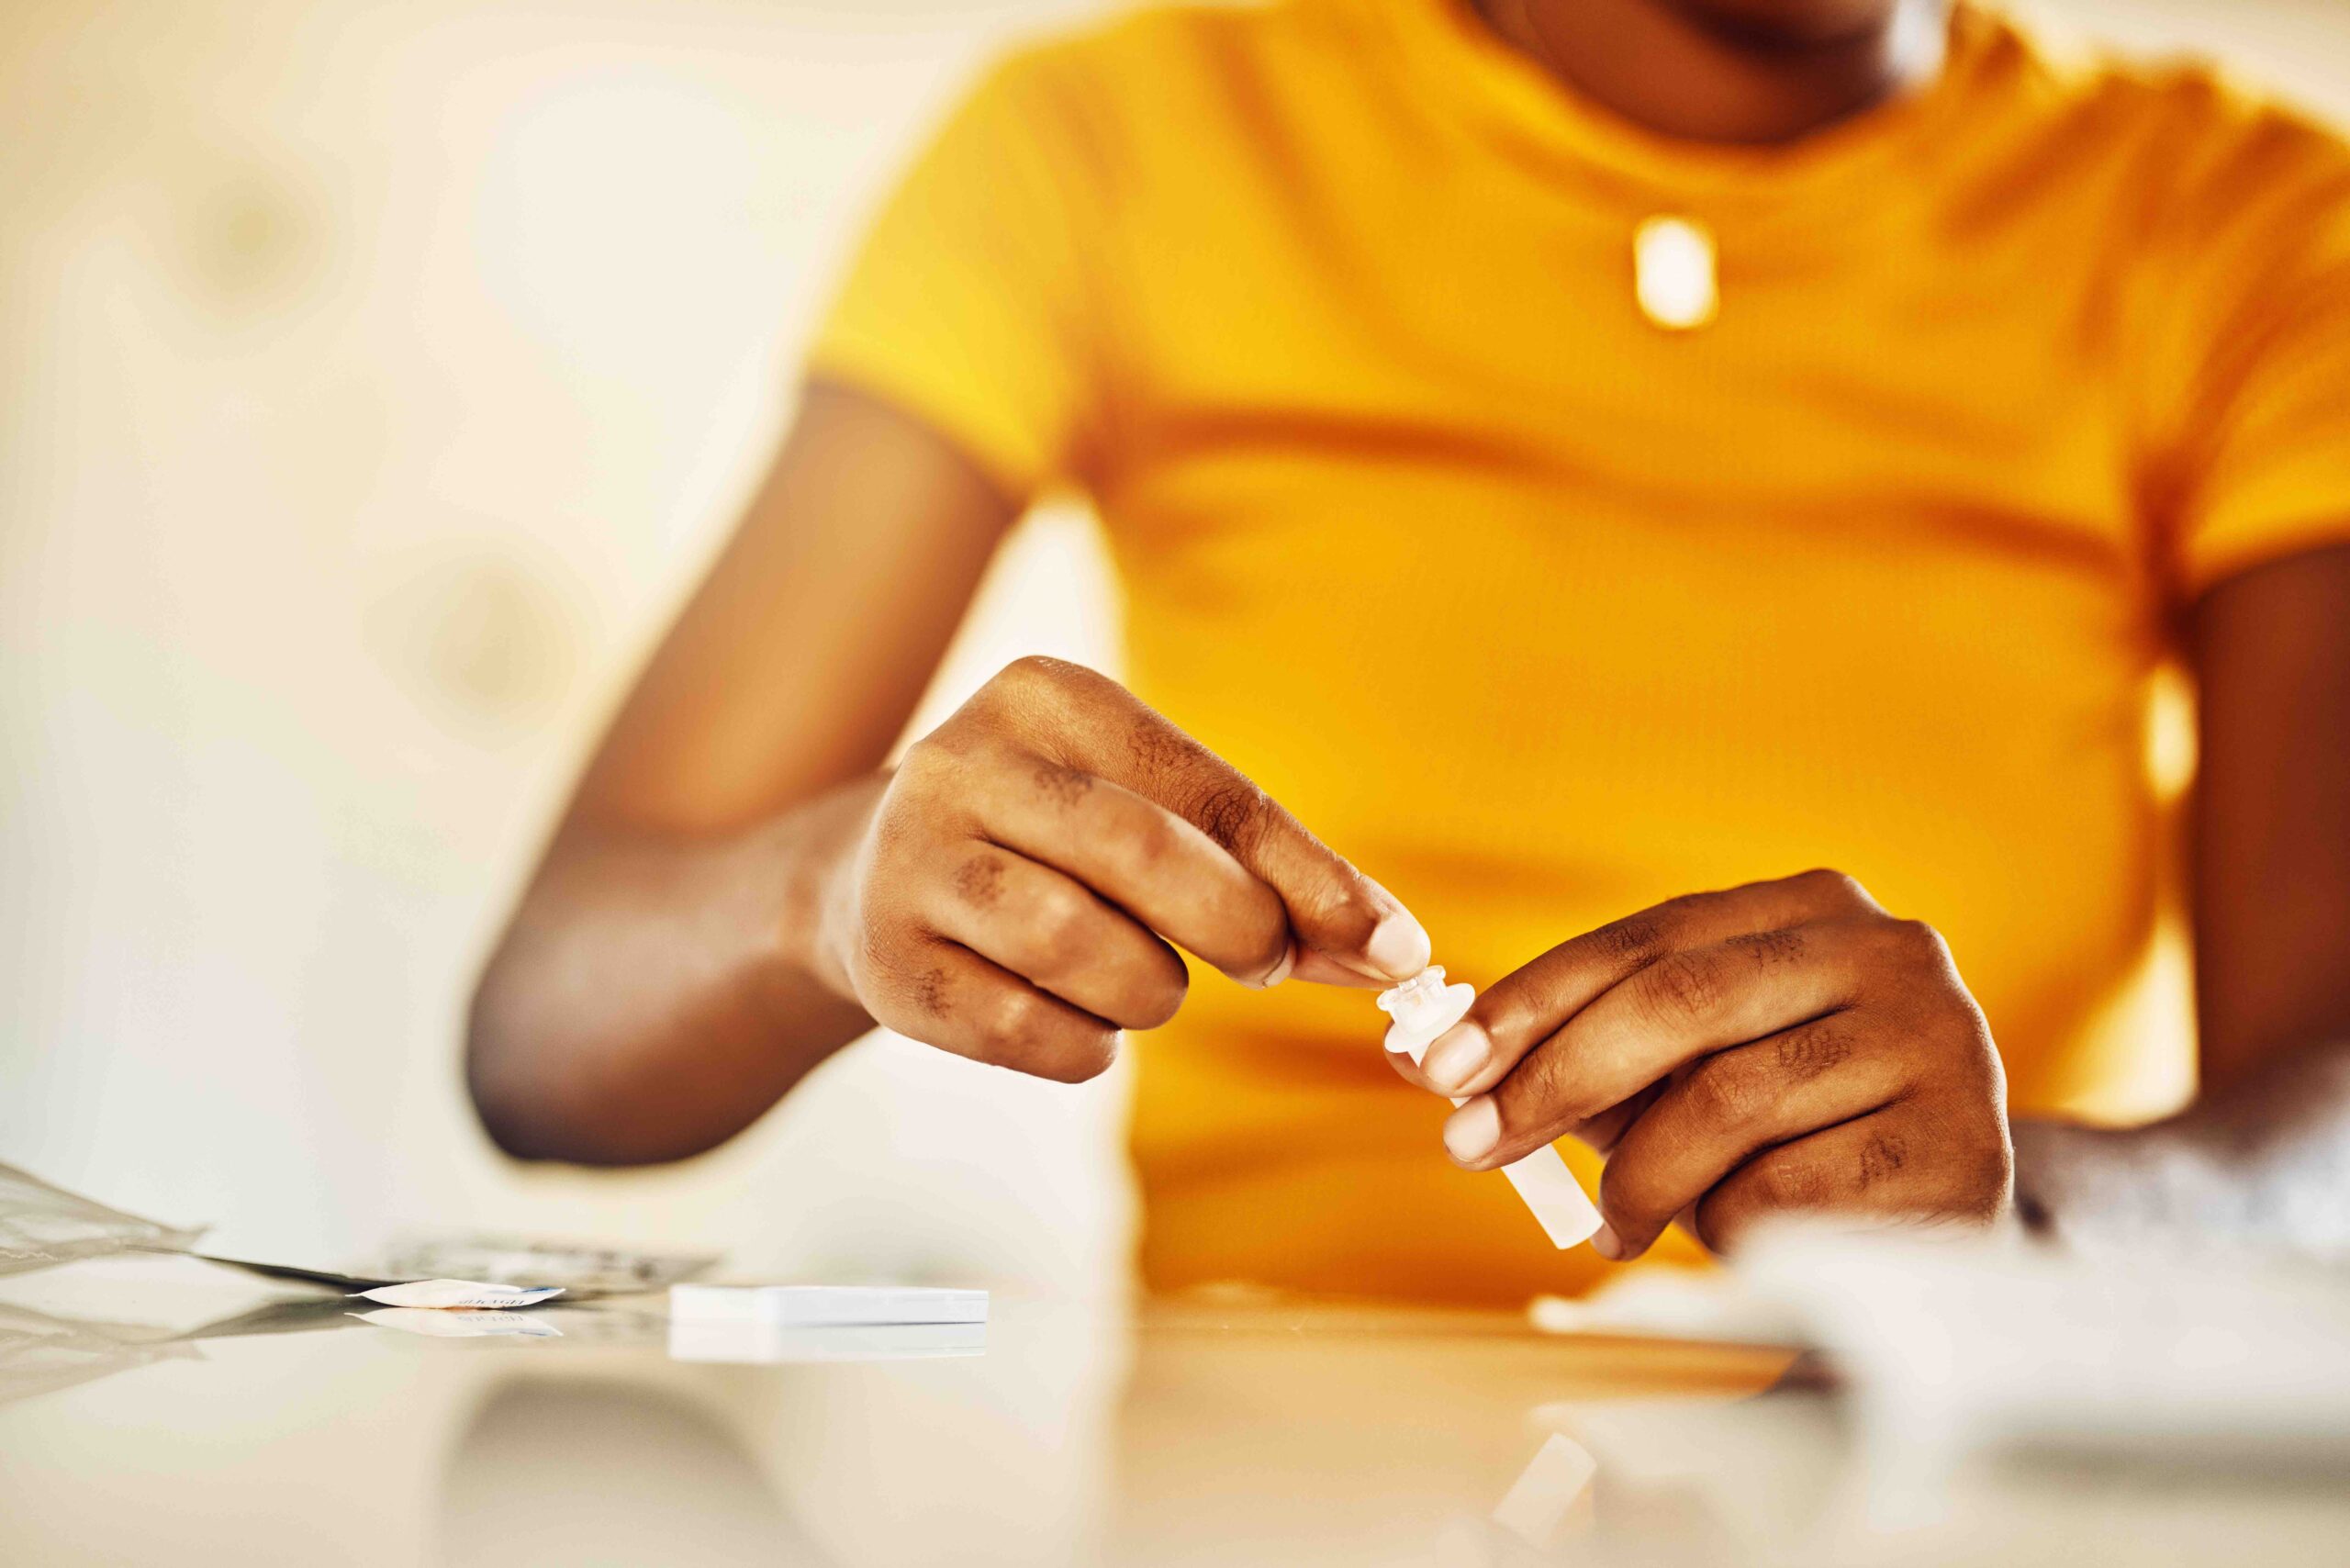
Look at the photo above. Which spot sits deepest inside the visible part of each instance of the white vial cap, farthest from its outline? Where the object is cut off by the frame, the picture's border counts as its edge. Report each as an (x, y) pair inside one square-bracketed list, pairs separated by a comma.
[(1423, 1008), (1673, 272), (1417, 1001)]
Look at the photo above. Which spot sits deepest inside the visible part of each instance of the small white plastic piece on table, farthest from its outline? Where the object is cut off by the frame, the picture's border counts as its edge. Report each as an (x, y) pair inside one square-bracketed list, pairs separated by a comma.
[(825, 1306), (471, 1295), (1425, 1007)]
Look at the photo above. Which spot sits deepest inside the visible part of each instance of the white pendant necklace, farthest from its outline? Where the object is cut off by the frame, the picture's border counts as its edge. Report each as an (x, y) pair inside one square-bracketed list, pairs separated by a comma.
[(1675, 279), (1674, 272)]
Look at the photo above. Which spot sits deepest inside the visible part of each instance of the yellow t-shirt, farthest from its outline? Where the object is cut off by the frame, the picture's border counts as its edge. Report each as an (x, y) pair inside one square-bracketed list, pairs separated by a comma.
[(1542, 611)]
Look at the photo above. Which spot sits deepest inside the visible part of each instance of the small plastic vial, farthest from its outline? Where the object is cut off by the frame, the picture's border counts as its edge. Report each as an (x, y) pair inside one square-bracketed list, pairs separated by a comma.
[(1424, 1007)]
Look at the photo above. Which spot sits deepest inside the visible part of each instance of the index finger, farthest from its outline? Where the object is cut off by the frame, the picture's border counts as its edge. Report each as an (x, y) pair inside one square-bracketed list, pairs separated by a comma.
[(1335, 911), (1531, 1003), (1664, 1018), (1146, 860)]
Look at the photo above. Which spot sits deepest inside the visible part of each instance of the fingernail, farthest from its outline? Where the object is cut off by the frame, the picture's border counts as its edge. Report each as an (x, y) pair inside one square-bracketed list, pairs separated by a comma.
[(1604, 1242), (1398, 947), (1471, 1132), (1279, 972), (1457, 1055)]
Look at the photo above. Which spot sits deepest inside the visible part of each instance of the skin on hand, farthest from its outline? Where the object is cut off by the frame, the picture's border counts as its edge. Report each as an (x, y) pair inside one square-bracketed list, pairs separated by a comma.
[(1020, 888), (1783, 1046)]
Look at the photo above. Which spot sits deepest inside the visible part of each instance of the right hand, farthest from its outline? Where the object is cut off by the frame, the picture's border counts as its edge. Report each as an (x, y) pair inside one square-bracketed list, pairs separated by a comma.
[(1017, 888)]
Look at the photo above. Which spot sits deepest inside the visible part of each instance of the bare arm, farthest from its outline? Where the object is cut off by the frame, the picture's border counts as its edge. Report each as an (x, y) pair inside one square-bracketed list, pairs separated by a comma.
[(737, 891), (2264, 1153), (650, 998)]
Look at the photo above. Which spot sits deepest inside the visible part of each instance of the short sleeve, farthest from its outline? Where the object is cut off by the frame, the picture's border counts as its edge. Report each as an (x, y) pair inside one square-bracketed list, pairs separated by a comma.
[(971, 303), (2263, 447)]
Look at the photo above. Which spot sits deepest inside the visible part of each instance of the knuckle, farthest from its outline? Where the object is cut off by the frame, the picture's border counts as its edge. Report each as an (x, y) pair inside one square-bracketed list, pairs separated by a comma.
[(1992, 1176), (1025, 692), (1988, 1073), (1634, 939), (1786, 1182), (1685, 986), (1682, 908), (979, 880), (1771, 949), (930, 768), (1955, 1055), (1158, 749), (1960, 1159), (898, 815), (879, 954), (1155, 842), (1972, 1161), (1913, 932), (1010, 1024), (932, 992), (928, 991), (1033, 673), (925, 759), (1231, 813), (1882, 1156), (1060, 784), (1060, 923), (1723, 1091), (1831, 886), (1805, 1053), (1916, 941)]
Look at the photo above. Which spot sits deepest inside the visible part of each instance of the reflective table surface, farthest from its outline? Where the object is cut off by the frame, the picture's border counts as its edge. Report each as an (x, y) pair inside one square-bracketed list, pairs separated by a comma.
[(161, 1411)]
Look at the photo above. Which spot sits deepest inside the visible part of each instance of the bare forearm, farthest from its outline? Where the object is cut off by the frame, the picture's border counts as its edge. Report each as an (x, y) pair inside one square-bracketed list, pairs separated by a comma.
[(656, 993), (2264, 1163)]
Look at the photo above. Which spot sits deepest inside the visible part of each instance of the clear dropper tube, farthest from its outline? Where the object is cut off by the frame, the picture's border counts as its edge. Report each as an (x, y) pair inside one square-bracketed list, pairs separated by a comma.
[(1424, 1007)]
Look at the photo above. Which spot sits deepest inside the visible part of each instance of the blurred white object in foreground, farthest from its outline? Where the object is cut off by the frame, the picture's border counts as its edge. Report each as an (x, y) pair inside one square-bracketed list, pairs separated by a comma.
[(1966, 1351)]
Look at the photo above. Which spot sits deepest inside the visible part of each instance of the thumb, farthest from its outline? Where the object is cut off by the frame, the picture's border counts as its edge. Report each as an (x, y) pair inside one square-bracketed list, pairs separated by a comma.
[(1335, 949)]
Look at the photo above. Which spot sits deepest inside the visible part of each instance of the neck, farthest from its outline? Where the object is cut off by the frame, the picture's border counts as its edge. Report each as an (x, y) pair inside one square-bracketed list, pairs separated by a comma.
[(1691, 69)]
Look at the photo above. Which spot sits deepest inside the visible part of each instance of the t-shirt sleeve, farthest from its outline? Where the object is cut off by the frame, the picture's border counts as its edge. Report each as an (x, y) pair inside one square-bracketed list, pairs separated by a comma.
[(972, 304), (2263, 444)]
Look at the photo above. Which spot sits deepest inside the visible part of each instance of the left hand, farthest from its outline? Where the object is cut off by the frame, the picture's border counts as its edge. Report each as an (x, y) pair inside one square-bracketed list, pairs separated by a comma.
[(1782, 1046)]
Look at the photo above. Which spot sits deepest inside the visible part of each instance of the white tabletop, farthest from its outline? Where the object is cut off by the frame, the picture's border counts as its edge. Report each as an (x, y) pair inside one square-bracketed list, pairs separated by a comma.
[(202, 1431)]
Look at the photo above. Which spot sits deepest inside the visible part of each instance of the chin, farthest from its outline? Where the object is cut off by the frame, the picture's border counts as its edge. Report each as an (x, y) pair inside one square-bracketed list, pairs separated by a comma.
[(1791, 22)]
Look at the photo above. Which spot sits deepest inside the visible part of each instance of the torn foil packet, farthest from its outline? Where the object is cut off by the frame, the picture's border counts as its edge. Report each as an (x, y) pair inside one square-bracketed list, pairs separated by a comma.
[(42, 1226)]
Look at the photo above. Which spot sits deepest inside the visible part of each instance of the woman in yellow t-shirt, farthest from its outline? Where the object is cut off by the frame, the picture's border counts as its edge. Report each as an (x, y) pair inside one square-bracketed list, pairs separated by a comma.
[(1569, 455)]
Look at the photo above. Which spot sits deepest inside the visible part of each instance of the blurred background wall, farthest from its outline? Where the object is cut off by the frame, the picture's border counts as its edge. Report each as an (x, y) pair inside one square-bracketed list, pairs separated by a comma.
[(373, 380)]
